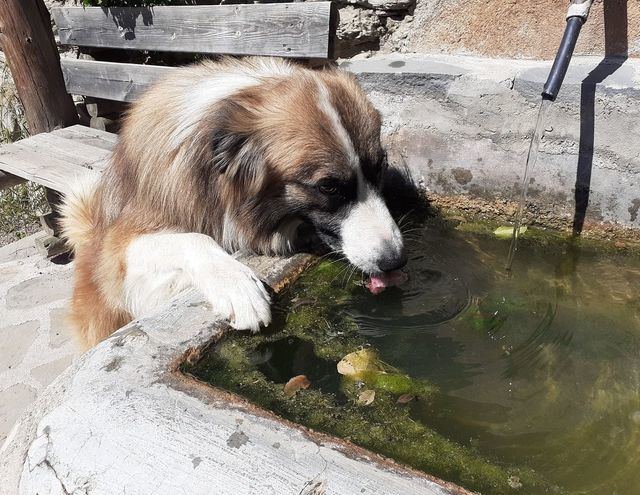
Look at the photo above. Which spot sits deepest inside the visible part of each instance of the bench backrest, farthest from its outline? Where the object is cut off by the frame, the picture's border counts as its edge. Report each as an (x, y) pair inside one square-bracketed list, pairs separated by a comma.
[(297, 30)]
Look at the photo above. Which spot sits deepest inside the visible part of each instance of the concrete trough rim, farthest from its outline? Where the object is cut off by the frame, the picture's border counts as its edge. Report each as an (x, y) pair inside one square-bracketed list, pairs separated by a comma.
[(497, 69), (181, 381)]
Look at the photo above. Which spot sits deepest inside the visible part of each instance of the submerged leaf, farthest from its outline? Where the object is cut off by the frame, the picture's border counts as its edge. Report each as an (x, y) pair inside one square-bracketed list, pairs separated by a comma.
[(365, 366), (507, 231), (357, 362), (405, 398), (296, 383), (514, 482), (366, 397)]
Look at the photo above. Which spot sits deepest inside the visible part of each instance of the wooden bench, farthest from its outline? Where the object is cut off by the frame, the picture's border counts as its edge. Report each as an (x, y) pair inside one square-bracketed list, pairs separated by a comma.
[(55, 158)]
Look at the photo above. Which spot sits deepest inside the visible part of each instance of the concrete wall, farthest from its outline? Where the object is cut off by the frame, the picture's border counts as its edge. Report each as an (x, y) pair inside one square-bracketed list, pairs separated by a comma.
[(463, 126)]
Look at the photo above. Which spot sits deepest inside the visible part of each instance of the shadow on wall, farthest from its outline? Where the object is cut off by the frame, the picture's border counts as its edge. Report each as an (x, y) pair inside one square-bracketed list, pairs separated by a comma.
[(616, 53)]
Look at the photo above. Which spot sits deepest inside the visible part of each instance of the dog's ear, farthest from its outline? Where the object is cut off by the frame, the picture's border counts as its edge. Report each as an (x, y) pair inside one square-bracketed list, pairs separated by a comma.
[(236, 149)]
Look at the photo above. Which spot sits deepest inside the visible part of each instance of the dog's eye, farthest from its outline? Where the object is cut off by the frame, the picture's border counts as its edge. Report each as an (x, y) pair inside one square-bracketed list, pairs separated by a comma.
[(328, 188)]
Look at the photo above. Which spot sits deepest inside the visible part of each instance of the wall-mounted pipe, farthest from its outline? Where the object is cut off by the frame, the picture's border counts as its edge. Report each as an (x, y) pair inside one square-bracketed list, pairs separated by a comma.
[(576, 16)]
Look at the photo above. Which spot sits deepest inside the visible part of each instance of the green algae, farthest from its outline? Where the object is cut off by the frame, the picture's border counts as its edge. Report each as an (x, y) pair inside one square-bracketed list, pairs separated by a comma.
[(331, 405), (541, 237)]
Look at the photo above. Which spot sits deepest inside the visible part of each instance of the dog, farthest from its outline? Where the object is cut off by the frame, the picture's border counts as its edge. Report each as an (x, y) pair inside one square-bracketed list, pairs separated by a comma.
[(236, 154)]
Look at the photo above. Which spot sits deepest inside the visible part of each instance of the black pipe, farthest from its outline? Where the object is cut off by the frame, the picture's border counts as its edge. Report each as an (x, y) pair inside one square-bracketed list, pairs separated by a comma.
[(563, 57)]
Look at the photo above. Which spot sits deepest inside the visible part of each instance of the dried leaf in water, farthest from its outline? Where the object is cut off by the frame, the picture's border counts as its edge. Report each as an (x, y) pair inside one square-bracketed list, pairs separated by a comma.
[(296, 383), (405, 398), (507, 231), (356, 362), (366, 397)]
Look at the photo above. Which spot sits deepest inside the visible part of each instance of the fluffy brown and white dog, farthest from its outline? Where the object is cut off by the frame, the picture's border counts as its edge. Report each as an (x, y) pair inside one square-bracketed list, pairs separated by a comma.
[(219, 157)]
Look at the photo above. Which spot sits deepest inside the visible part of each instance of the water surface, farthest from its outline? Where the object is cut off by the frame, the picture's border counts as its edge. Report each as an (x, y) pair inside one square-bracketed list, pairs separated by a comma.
[(540, 368), (537, 368)]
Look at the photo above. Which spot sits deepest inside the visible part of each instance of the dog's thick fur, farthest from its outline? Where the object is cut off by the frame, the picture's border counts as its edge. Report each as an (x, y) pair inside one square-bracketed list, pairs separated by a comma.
[(219, 157)]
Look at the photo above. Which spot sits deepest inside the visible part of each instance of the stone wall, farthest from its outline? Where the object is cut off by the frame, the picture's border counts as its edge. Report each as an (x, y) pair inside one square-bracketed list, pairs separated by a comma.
[(492, 28)]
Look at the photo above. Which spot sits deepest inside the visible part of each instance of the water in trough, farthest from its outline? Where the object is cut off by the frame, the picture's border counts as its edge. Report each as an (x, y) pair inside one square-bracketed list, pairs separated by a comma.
[(514, 382)]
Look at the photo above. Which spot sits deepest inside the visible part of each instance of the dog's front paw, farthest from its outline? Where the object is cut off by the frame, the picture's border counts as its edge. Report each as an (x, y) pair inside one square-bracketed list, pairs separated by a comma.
[(235, 293)]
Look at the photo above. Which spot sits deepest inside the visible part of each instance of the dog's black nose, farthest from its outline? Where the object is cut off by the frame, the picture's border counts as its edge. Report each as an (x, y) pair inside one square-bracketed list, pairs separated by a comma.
[(393, 262)]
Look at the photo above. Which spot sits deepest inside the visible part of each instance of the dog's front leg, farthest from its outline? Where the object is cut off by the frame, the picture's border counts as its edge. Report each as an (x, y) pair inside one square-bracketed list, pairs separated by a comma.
[(159, 266)]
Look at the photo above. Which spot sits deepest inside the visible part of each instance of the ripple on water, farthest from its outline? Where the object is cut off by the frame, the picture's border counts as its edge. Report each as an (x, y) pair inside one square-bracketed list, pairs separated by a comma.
[(430, 298)]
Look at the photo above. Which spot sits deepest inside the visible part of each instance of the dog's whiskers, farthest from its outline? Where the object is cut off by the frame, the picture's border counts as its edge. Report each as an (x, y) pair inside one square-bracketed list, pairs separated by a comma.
[(345, 274), (350, 275), (341, 272), (405, 217), (353, 272), (337, 260), (326, 255)]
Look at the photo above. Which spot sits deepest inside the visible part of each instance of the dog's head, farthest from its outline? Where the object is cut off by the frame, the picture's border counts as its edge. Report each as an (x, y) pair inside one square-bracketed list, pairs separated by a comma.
[(305, 148)]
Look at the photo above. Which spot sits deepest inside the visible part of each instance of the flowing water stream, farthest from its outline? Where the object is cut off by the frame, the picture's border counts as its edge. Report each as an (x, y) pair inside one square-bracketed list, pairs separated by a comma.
[(532, 158)]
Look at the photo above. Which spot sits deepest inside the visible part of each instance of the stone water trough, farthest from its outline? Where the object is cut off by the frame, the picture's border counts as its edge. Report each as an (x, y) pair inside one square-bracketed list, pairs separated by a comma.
[(123, 419)]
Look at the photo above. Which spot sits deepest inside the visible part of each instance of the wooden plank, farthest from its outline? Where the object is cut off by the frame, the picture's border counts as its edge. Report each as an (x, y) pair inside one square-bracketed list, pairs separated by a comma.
[(87, 135), (302, 29), (95, 141), (110, 80), (53, 173), (75, 152), (54, 159)]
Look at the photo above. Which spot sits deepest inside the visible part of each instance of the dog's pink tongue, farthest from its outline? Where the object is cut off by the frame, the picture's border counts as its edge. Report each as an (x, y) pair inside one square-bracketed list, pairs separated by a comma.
[(377, 283)]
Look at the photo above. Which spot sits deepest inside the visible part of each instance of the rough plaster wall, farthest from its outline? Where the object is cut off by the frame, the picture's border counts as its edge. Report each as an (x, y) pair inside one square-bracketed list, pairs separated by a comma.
[(510, 28)]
